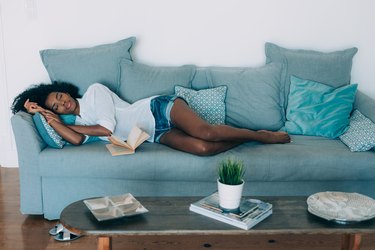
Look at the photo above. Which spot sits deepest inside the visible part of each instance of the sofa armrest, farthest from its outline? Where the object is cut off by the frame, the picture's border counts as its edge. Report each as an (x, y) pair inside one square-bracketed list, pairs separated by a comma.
[(365, 104), (29, 145)]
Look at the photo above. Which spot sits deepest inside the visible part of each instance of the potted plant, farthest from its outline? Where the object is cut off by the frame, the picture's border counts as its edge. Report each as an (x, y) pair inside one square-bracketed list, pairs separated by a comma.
[(230, 183)]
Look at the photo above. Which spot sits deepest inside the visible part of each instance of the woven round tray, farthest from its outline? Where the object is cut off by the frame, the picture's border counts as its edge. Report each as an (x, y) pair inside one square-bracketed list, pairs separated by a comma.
[(341, 207)]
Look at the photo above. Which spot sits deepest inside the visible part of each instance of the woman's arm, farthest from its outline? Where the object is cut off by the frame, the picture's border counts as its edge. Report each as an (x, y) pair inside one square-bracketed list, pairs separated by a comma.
[(68, 134), (74, 134), (94, 130)]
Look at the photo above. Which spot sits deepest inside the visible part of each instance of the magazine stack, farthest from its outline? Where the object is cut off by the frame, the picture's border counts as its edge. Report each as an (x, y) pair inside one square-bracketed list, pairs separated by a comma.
[(250, 212)]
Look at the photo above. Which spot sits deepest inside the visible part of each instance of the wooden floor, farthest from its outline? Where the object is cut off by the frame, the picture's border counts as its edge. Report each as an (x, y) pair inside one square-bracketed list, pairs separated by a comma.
[(19, 231)]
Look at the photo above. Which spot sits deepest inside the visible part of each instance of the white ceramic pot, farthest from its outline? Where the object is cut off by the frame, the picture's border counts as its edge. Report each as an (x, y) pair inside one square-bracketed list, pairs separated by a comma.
[(230, 195)]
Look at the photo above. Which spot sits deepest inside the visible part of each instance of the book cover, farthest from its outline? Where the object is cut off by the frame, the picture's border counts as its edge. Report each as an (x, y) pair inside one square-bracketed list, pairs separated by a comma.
[(135, 138), (250, 213)]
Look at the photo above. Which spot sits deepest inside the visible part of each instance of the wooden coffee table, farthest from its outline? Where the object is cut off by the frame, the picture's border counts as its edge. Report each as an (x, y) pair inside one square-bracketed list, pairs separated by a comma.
[(170, 225)]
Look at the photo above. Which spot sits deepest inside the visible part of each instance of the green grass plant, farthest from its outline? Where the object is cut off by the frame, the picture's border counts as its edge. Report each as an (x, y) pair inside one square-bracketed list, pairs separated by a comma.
[(231, 171)]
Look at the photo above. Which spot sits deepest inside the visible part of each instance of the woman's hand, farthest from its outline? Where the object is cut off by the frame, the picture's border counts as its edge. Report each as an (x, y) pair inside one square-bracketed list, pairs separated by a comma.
[(50, 116), (32, 107)]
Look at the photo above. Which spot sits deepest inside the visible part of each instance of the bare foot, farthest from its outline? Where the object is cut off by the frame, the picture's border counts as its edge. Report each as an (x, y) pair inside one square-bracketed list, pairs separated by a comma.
[(271, 137)]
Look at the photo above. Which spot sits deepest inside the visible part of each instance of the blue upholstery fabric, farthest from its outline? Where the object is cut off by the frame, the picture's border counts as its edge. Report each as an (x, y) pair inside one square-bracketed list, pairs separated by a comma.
[(318, 109), (209, 104), (140, 81), (85, 66), (287, 169), (253, 96)]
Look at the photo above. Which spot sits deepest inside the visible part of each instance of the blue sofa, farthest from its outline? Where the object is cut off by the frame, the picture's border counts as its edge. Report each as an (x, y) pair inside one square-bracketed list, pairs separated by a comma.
[(50, 179)]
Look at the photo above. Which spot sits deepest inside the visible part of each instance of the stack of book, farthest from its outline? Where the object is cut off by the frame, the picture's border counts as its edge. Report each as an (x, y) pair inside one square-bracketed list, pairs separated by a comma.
[(250, 212)]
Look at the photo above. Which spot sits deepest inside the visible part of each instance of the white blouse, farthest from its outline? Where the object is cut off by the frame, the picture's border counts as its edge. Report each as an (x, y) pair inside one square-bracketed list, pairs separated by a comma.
[(99, 105)]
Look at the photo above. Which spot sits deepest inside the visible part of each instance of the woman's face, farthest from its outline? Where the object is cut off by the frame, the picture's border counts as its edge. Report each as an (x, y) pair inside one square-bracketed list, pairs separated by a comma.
[(62, 103)]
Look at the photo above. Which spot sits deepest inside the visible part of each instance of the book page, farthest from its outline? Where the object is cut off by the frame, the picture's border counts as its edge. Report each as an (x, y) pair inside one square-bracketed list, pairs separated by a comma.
[(136, 137), (119, 150), (143, 137), (117, 141)]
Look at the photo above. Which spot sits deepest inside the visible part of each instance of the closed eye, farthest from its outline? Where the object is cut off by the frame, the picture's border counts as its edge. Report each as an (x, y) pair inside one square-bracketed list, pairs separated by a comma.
[(57, 97)]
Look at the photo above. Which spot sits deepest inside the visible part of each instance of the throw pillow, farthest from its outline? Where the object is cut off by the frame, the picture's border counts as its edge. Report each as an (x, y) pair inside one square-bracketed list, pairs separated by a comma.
[(139, 81), (48, 134), (209, 104), (318, 109), (253, 96), (332, 68), (360, 135), (68, 119), (84, 66)]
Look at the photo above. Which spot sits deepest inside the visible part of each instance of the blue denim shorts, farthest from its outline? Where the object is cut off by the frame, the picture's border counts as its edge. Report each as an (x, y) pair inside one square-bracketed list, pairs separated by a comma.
[(161, 109)]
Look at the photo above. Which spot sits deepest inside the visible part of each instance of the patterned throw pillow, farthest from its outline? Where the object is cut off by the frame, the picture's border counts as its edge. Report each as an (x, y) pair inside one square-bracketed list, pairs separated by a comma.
[(361, 133), (51, 137), (47, 133), (209, 104)]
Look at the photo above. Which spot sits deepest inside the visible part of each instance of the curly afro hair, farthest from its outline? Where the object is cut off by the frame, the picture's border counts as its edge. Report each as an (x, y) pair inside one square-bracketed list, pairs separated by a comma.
[(39, 93)]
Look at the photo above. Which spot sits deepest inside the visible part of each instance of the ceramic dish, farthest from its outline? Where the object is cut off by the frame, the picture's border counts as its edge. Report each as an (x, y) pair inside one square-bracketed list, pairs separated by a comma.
[(113, 207), (341, 207)]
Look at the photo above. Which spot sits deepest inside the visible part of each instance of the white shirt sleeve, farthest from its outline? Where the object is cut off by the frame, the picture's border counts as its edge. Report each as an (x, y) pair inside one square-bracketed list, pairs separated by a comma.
[(102, 103)]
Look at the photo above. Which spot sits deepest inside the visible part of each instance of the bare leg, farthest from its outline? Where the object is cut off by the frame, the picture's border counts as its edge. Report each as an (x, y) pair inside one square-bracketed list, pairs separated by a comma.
[(188, 121), (179, 140)]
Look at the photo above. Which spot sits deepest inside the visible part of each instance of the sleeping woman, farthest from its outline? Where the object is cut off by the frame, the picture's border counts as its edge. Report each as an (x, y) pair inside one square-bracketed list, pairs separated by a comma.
[(167, 119)]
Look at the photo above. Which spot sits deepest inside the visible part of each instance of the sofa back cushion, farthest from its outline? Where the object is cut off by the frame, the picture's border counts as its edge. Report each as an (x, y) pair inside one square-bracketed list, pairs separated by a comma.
[(333, 68), (139, 81), (85, 66), (200, 79), (253, 95)]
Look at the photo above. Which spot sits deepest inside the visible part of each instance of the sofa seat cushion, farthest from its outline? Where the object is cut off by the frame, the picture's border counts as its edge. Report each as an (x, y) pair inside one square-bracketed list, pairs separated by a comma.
[(307, 158)]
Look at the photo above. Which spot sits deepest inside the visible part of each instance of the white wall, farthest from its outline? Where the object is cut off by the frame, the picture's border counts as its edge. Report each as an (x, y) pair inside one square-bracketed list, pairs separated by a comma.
[(170, 32)]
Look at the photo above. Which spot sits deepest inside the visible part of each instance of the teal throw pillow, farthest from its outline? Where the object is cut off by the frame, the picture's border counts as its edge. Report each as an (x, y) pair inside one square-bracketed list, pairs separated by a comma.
[(253, 95), (318, 109), (68, 119), (48, 134), (85, 66), (332, 68), (209, 104), (138, 81), (360, 135)]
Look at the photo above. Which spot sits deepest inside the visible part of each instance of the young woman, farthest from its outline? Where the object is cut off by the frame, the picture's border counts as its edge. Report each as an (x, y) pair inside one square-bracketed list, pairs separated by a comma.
[(168, 119)]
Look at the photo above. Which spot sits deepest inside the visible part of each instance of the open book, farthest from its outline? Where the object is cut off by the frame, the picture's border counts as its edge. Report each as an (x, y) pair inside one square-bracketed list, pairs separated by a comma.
[(135, 138)]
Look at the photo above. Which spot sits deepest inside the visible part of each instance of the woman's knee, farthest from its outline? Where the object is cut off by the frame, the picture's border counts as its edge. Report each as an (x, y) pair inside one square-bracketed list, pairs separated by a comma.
[(208, 133), (205, 149)]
